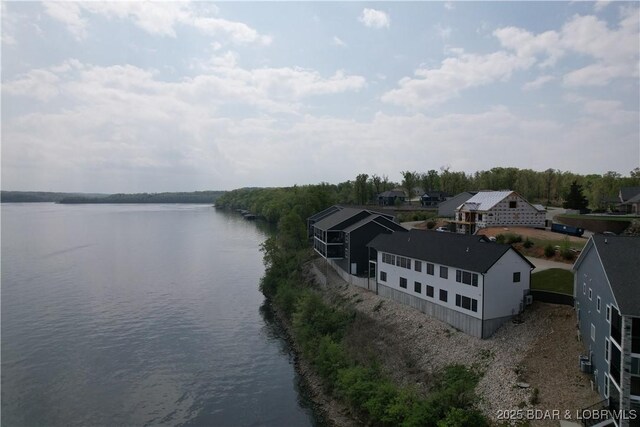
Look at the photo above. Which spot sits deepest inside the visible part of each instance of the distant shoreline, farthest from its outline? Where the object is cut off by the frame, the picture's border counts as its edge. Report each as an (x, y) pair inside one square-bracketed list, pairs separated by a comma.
[(194, 197)]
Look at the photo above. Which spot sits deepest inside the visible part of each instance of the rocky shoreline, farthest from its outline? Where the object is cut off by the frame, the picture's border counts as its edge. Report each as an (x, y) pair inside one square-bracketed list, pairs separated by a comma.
[(330, 411), (413, 347)]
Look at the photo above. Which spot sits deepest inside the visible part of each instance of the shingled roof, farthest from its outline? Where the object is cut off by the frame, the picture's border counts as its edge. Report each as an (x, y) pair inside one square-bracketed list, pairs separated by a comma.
[(473, 253), (619, 256)]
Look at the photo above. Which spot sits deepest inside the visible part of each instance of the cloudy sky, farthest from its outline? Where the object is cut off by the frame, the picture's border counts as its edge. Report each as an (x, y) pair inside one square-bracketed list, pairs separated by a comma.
[(177, 96)]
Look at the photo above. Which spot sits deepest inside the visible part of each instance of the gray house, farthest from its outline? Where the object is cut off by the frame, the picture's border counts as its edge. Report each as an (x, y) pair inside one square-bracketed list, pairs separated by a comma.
[(447, 209), (390, 198), (342, 236), (466, 281), (607, 303)]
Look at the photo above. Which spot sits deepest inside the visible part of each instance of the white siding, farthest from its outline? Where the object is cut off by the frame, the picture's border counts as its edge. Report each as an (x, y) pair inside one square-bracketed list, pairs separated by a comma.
[(394, 273), (502, 296), (522, 215)]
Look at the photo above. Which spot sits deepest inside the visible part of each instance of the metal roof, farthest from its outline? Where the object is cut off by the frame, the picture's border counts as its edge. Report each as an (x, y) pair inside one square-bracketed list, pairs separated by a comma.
[(485, 200)]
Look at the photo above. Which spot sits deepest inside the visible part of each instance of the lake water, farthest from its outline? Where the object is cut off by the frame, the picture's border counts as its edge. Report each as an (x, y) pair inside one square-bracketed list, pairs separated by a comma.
[(139, 315)]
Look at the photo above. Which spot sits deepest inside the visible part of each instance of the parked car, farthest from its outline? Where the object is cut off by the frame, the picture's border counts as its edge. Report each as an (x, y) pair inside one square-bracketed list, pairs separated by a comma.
[(442, 229)]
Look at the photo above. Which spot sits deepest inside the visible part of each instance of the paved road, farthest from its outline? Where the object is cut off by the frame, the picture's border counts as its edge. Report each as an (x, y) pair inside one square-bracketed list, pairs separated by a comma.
[(543, 264)]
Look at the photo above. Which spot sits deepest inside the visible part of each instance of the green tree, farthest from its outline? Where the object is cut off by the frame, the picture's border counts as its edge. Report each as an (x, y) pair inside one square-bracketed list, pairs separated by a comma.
[(361, 189), (575, 199), (409, 182)]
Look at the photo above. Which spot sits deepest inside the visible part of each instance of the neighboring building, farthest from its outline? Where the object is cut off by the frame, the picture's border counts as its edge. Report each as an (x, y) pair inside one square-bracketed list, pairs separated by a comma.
[(342, 236), (466, 281), (433, 198), (629, 200), (447, 209), (495, 209), (319, 216), (390, 198), (607, 303)]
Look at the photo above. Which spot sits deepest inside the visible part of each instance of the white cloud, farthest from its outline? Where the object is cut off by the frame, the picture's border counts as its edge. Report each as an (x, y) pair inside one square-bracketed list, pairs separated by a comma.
[(374, 18), (600, 5), (527, 45), (435, 86), (538, 83), (338, 41), (157, 18), (615, 51), (69, 14), (449, 5), (39, 84)]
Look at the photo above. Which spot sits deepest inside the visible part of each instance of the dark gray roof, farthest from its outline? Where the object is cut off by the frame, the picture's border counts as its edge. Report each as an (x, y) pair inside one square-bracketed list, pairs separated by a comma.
[(634, 199), (392, 193), (629, 192), (380, 219), (473, 253), (620, 256), (319, 215), (337, 217)]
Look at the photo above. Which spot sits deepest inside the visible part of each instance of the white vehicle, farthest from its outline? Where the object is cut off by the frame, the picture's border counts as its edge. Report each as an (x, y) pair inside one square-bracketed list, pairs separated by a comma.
[(442, 229)]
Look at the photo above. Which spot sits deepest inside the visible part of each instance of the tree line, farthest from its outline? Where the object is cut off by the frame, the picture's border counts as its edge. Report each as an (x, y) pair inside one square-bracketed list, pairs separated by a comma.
[(549, 187)]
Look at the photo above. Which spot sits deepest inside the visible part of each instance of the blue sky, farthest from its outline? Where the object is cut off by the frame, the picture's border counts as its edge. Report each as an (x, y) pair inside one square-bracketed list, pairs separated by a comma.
[(179, 96)]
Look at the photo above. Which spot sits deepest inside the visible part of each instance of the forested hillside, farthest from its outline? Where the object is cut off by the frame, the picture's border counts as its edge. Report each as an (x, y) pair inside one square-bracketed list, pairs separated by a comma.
[(192, 197), (550, 187)]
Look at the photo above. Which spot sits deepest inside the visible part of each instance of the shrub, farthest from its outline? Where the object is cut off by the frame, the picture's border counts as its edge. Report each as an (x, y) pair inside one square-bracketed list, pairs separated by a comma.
[(549, 251), (431, 224), (500, 238), (527, 243), (513, 238), (565, 249)]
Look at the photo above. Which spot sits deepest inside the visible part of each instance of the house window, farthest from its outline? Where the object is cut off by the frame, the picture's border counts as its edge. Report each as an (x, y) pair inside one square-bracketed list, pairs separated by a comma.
[(417, 287), (417, 265), (466, 303), (513, 205), (606, 386), (608, 315), (444, 272), (388, 259), (403, 283), (430, 268), (430, 291), (403, 262), (443, 295), (584, 288), (590, 294), (467, 278), (383, 276), (598, 304), (606, 350), (593, 332)]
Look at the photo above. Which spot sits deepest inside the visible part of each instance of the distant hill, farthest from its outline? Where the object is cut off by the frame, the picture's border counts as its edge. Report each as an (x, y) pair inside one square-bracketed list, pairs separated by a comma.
[(41, 196), (191, 197), (44, 196)]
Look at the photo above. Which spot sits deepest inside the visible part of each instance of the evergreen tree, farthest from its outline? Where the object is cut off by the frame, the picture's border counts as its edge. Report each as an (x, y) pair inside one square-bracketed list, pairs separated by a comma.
[(575, 199)]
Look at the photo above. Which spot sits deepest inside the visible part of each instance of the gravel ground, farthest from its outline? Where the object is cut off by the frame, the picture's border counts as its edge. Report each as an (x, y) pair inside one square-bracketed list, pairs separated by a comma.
[(541, 351)]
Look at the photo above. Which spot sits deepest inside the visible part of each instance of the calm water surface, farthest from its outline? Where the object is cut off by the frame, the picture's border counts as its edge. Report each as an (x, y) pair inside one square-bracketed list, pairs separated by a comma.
[(139, 315)]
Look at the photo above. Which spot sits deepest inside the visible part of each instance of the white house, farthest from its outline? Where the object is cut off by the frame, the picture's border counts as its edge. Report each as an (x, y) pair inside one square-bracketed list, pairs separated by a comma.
[(495, 209), (467, 281)]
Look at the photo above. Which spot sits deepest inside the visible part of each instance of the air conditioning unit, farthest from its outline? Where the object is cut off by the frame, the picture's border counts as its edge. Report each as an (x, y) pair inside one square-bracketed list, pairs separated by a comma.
[(585, 366), (528, 299)]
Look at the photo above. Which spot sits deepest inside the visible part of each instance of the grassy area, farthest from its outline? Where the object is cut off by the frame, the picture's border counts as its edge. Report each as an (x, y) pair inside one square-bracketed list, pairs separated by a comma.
[(559, 242), (554, 279), (599, 217)]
